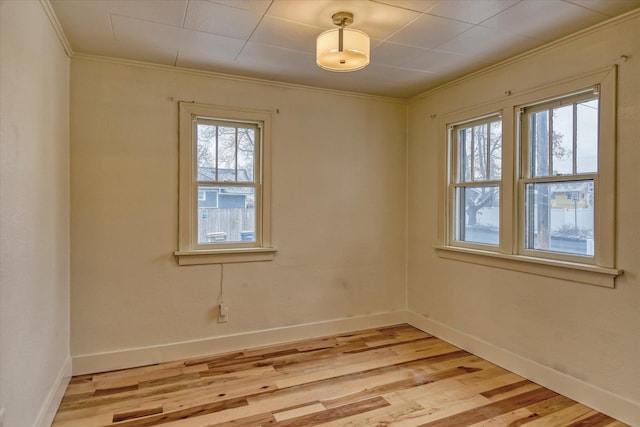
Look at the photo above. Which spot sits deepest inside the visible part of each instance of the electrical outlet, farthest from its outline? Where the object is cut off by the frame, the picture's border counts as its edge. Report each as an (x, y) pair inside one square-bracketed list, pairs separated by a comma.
[(223, 313)]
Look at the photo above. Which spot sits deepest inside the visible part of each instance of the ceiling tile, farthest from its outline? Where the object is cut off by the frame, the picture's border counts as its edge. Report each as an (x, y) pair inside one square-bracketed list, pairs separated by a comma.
[(273, 56), (170, 12), (256, 6), (209, 47), (411, 57), (471, 11), (535, 19), (429, 31), (608, 7), (151, 41), (490, 43), (415, 5), (88, 30), (218, 19), (286, 34)]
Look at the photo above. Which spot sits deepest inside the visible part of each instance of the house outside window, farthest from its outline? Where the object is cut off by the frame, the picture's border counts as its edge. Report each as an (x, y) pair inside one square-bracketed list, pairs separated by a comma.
[(224, 185)]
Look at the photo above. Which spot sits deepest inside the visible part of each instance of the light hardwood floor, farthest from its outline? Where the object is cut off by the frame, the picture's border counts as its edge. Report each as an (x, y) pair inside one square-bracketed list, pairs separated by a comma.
[(393, 376)]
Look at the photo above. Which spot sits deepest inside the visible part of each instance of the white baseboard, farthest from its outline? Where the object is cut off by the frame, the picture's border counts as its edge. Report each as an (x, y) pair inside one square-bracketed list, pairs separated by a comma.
[(128, 358), (52, 402), (578, 390)]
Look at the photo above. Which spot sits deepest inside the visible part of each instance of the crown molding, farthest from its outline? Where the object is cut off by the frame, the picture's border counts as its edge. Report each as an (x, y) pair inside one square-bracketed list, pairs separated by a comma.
[(48, 9)]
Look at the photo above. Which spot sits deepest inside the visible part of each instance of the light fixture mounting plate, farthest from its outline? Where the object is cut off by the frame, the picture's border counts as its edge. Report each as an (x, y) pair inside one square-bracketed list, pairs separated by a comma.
[(342, 18)]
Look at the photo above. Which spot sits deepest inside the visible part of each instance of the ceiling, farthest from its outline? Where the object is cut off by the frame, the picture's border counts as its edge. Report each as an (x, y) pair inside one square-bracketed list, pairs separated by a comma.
[(415, 44)]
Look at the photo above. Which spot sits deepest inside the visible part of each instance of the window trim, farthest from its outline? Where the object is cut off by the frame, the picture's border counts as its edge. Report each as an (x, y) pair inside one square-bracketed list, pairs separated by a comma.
[(602, 270), (189, 251)]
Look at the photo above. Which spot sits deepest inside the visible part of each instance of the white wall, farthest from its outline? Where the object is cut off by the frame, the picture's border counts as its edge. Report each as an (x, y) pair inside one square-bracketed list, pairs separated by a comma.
[(34, 214), (589, 333), (339, 203)]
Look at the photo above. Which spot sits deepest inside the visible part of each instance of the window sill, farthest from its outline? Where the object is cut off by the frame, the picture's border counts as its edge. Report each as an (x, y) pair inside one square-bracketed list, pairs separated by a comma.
[(224, 256), (583, 273)]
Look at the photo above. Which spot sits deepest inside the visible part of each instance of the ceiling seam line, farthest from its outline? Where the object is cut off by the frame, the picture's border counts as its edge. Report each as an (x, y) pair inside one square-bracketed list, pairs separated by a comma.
[(253, 31)]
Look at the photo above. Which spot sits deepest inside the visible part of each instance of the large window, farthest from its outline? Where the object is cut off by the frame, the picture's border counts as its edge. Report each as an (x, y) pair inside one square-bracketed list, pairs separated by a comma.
[(530, 182), (224, 198)]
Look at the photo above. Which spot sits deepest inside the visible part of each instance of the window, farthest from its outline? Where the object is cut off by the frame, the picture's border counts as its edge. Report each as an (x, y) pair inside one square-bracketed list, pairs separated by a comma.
[(559, 146), (530, 182), (476, 175), (224, 192)]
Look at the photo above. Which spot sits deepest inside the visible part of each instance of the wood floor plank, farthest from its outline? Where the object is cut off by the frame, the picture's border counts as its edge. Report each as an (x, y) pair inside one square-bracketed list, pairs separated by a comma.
[(393, 415), (392, 376), (563, 417), (512, 419), (595, 419), (298, 411), (491, 410), (335, 413), (137, 413)]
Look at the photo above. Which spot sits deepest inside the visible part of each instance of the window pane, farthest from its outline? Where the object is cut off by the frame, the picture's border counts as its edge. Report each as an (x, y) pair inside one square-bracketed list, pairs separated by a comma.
[(466, 154), (559, 217), (246, 147), (480, 152), (562, 140), (478, 214), (587, 136), (495, 149), (226, 215), (226, 153), (539, 143), (206, 152)]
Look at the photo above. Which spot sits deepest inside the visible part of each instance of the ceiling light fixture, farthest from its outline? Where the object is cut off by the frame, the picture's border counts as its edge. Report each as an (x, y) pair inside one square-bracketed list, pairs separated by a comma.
[(342, 49)]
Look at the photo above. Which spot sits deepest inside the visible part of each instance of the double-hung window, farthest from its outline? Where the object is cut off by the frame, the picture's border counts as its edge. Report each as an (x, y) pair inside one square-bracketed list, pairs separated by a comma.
[(476, 179), (530, 182), (224, 197), (559, 168)]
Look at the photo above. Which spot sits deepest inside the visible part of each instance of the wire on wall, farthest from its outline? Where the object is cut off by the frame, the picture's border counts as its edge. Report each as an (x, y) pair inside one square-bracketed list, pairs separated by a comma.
[(221, 293)]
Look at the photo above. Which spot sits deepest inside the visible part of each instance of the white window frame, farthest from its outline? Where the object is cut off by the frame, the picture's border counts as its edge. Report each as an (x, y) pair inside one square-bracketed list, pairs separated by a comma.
[(455, 182), (189, 251), (510, 254)]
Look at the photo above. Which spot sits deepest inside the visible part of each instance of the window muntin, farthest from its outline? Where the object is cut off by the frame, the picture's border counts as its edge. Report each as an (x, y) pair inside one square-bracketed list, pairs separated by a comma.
[(476, 181), (559, 148)]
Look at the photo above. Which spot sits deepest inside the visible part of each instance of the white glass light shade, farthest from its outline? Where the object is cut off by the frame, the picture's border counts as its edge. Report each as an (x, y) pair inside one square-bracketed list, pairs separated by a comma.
[(354, 55)]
